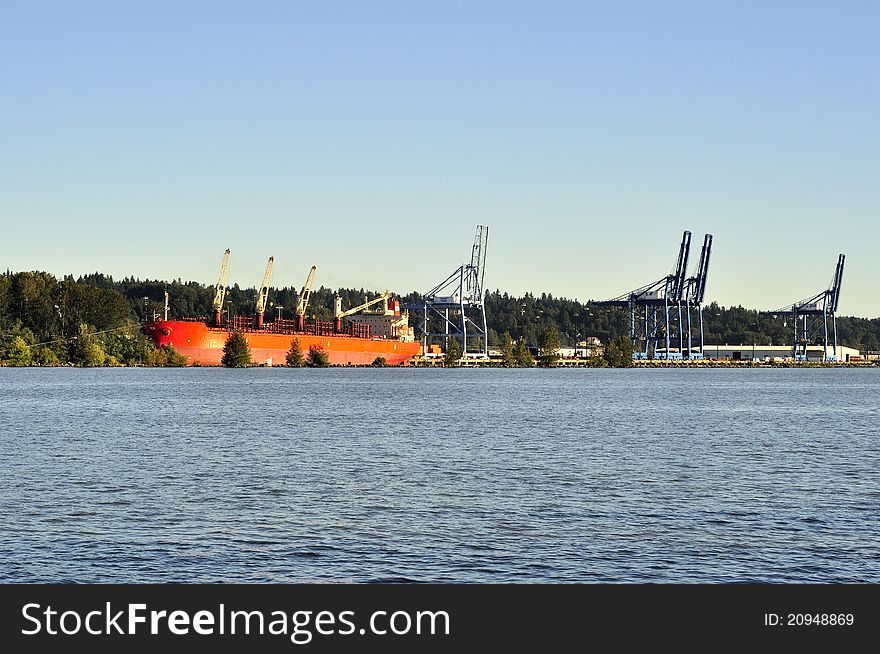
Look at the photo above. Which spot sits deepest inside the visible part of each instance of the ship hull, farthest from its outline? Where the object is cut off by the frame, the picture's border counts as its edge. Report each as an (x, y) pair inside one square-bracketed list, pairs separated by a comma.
[(203, 345)]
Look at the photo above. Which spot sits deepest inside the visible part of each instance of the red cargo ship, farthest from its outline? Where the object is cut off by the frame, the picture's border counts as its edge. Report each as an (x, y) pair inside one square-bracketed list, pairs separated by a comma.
[(384, 333), (359, 341)]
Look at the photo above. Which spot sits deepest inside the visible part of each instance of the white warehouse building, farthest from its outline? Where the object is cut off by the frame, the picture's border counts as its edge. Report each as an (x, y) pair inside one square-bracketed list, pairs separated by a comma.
[(770, 352)]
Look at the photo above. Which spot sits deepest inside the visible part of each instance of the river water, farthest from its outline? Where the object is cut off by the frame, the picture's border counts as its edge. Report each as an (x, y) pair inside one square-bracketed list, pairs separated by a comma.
[(434, 475)]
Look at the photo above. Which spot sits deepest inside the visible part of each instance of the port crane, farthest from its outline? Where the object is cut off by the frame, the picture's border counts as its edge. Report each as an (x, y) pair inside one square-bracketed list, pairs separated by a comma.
[(263, 295), (302, 301), (695, 290), (221, 289), (455, 307), (810, 317), (656, 310)]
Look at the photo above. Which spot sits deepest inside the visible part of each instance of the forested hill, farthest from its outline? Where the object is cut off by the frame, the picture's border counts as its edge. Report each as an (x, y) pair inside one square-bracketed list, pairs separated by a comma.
[(54, 309)]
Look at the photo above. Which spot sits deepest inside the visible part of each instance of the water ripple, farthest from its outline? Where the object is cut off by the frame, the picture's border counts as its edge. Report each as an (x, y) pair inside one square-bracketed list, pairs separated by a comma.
[(399, 476)]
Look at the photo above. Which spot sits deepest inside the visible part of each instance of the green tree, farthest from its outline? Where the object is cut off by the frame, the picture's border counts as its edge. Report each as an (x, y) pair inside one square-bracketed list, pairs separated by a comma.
[(524, 358), (295, 358), (379, 362), (548, 347), (453, 351), (318, 357), (5, 298), (167, 357), (31, 300), (46, 357), (138, 350), (15, 345), (84, 349), (618, 352), (174, 358), (236, 352), (19, 353), (128, 346), (17, 330), (508, 358)]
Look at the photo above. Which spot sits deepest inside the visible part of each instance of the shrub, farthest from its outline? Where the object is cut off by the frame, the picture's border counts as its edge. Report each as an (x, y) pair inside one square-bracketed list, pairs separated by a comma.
[(318, 357), (453, 352)]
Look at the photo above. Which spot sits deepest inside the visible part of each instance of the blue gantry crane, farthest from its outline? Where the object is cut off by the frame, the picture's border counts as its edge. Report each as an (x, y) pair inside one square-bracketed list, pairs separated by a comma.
[(455, 306), (810, 318), (656, 309), (658, 328)]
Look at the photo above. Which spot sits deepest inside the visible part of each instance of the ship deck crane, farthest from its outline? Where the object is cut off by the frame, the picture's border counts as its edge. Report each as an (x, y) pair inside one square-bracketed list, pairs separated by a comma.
[(339, 314), (263, 295), (302, 301), (221, 289)]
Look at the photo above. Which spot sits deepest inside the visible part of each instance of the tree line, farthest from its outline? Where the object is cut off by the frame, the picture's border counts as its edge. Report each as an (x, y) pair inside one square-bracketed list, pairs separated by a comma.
[(95, 319), (524, 317), (45, 321)]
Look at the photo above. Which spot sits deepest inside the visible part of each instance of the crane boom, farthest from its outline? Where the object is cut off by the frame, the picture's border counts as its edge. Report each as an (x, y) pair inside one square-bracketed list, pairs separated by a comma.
[(695, 287), (838, 282), (678, 279), (303, 301), (703, 271), (263, 295), (222, 280), (339, 313), (220, 290), (476, 272)]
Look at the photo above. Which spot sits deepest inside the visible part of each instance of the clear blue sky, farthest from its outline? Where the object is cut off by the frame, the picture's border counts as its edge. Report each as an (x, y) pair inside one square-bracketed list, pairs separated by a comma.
[(369, 138)]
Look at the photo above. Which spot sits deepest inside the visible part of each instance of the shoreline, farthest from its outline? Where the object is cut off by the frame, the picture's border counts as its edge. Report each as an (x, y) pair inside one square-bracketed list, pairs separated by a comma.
[(479, 363)]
